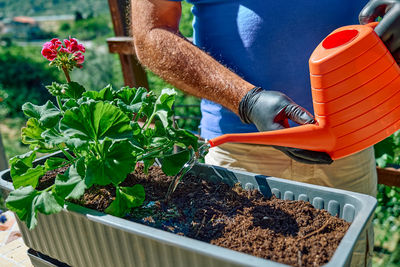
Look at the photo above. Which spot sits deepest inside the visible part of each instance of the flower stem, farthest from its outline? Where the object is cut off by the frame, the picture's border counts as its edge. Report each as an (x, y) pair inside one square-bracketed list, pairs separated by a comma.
[(66, 73), (59, 103), (148, 122)]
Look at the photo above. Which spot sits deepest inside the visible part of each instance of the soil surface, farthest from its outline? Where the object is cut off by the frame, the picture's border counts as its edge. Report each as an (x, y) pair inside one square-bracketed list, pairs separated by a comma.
[(289, 232)]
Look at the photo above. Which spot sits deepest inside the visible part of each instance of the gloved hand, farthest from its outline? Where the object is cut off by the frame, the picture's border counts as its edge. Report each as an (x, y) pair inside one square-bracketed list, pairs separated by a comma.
[(270, 110), (388, 28)]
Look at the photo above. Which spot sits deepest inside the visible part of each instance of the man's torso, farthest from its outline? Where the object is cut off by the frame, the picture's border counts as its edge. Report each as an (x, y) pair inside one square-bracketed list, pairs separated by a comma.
[(266, 42)]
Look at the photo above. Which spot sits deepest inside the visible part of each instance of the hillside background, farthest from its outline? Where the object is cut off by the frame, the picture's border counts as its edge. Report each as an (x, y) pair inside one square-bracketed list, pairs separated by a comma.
[(11, 8)]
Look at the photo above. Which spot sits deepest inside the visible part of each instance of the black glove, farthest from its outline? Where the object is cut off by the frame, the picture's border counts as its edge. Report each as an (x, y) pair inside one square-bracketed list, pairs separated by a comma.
[(270, 110), (388, 28)]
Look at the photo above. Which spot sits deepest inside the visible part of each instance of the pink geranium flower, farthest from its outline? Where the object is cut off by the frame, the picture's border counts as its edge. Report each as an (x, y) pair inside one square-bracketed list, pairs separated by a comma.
[(49, 49), (66, 55), (72, 45)]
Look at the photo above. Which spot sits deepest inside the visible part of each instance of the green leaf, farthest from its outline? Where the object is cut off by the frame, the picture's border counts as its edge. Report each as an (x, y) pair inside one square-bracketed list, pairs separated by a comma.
[(21, 170), (71, 184), (30, 177), (131, 96), (47, 203), (21, 163), (32, 135), (147, 164), (134, 196), (104, 94), (172, 164), (163, 106), (118, 207), (54, 138), (70, 103), (74, 90), (95, 121), (47, 115), (26, 201), (136, 129), (116, 163), (96, 173), (159, 129), (185, 137), (158, 141), (125, 199), (21, 201), (131, 100), (54, 163)]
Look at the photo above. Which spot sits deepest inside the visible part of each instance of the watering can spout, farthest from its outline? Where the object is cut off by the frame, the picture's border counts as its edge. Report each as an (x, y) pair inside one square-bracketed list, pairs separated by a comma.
[(355, 85), (310, 137)]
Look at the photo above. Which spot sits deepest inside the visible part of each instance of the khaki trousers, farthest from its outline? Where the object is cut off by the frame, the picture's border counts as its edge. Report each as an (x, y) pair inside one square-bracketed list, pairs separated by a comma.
[(355, 173)]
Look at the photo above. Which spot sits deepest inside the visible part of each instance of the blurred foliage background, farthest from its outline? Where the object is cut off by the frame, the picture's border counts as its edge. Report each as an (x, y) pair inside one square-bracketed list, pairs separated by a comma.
[(26, 24)]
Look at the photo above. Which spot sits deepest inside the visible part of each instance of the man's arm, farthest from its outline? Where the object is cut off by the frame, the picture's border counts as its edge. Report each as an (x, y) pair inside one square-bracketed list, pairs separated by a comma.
[(161, 48)]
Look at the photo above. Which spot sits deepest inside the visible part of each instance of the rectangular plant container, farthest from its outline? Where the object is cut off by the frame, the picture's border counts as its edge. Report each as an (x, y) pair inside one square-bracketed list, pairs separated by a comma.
[(79, 236)]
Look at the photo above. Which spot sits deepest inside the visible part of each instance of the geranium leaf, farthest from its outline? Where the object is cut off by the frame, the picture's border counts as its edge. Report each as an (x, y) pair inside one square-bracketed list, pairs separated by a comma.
[(47, 203), (163, 106), (118, 207), (171, 164), (125, 199), (70, 103), (54, 163), (53, 137), (32, 132), (147, 163), (47, 115), (32, 135), (117, 156), (22, 171), (185, 137), (105, 94), (21, 163), (131, 100), (131, 96), (74, 90), (71, 184), (133, 196), (95, 121), (30, 177), (21, 201)]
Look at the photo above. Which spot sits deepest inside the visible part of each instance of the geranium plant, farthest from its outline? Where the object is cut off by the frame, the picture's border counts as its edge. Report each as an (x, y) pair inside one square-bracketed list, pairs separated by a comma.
[(102, 134)]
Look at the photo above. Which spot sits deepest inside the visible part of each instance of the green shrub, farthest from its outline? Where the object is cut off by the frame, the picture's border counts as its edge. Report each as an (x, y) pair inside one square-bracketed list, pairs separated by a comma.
[(23, 75)]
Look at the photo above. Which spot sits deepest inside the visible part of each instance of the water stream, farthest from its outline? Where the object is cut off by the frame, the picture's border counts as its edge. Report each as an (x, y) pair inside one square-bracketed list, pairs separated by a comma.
[(200, 153)]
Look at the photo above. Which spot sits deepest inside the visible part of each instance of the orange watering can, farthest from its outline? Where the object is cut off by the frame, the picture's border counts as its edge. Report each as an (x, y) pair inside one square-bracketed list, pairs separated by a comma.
[(356, 97)]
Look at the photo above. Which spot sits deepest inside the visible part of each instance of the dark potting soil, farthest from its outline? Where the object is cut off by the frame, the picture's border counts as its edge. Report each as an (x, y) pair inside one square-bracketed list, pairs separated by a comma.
[(289, 232)]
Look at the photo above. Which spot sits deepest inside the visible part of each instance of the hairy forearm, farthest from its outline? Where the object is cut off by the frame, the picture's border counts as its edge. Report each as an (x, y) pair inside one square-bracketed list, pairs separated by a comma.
[(190, 69)]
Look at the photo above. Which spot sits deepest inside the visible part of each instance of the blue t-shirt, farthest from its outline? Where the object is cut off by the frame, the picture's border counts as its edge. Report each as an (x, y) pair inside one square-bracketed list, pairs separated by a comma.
[(268, 43)]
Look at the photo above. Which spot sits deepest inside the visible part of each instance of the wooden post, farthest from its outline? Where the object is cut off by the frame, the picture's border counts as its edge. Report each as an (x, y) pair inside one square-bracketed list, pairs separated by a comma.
[(133, 72)]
